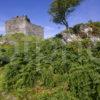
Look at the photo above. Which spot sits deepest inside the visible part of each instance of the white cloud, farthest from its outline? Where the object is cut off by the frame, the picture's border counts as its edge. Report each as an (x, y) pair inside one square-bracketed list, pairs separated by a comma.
[(2, 29), (2, 24), (51, 31)]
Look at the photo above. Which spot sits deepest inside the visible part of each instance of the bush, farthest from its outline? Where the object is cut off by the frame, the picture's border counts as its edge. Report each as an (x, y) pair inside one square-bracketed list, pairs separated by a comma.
[(84, 83), (20, 73), (4, 60), (60, 71)]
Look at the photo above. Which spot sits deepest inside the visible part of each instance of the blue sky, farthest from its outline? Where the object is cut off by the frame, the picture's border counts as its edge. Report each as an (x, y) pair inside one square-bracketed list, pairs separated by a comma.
[(37, 10)]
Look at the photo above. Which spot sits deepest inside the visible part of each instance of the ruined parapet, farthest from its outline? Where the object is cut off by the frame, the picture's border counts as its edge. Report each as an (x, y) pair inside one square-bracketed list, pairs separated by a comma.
[(22, 24)]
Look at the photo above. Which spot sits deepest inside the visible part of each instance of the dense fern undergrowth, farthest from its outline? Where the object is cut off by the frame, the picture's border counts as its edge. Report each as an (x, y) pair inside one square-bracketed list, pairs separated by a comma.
[(36, 69)]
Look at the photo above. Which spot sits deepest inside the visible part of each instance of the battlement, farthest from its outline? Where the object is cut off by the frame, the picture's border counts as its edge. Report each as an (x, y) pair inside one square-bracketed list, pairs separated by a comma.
[(22, 24)]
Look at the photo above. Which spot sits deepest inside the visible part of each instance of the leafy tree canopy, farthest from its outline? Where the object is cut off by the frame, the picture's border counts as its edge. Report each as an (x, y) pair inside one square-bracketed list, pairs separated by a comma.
[(60, 9)]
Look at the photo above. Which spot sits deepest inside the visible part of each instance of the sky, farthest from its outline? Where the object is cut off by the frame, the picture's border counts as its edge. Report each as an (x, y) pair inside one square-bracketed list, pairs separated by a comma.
[(37, 11)]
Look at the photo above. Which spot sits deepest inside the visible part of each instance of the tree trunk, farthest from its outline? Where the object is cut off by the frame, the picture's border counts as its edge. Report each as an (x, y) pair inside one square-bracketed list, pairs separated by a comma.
[(66, 24)]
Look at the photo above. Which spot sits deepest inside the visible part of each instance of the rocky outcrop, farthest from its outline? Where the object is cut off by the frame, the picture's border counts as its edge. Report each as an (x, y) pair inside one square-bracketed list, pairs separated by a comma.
[(83, 31), (70, 37)]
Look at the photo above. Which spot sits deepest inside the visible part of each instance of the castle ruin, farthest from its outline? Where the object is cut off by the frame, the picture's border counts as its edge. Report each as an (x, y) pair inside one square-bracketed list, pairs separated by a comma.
[(22, 24)]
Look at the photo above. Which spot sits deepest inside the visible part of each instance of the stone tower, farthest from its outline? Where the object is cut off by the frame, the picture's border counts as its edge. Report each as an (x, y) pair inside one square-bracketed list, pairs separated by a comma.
[(22, 24)]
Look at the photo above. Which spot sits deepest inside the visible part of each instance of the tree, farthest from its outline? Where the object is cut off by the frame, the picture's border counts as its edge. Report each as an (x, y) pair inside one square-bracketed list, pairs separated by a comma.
[(60, 9)]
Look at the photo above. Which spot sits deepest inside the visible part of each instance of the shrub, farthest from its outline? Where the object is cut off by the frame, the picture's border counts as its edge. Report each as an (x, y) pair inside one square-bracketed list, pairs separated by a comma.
[(4, 60), (84, 83)]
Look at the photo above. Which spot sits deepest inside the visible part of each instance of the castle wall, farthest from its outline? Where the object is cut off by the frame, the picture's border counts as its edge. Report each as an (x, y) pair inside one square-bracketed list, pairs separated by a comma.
[(22, 24), (34, 29), (15, 25)]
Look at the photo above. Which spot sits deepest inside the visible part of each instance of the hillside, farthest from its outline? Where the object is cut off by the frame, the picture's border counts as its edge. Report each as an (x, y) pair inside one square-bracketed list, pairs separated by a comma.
[(32, 68)]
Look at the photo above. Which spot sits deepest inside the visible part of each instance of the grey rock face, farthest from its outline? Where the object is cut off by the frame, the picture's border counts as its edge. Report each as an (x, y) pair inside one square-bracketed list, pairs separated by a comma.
[(22, 24), (83, 32)]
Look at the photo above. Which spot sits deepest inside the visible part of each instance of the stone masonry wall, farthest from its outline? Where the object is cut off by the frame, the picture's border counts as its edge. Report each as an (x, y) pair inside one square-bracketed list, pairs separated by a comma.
[(22, 24)]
